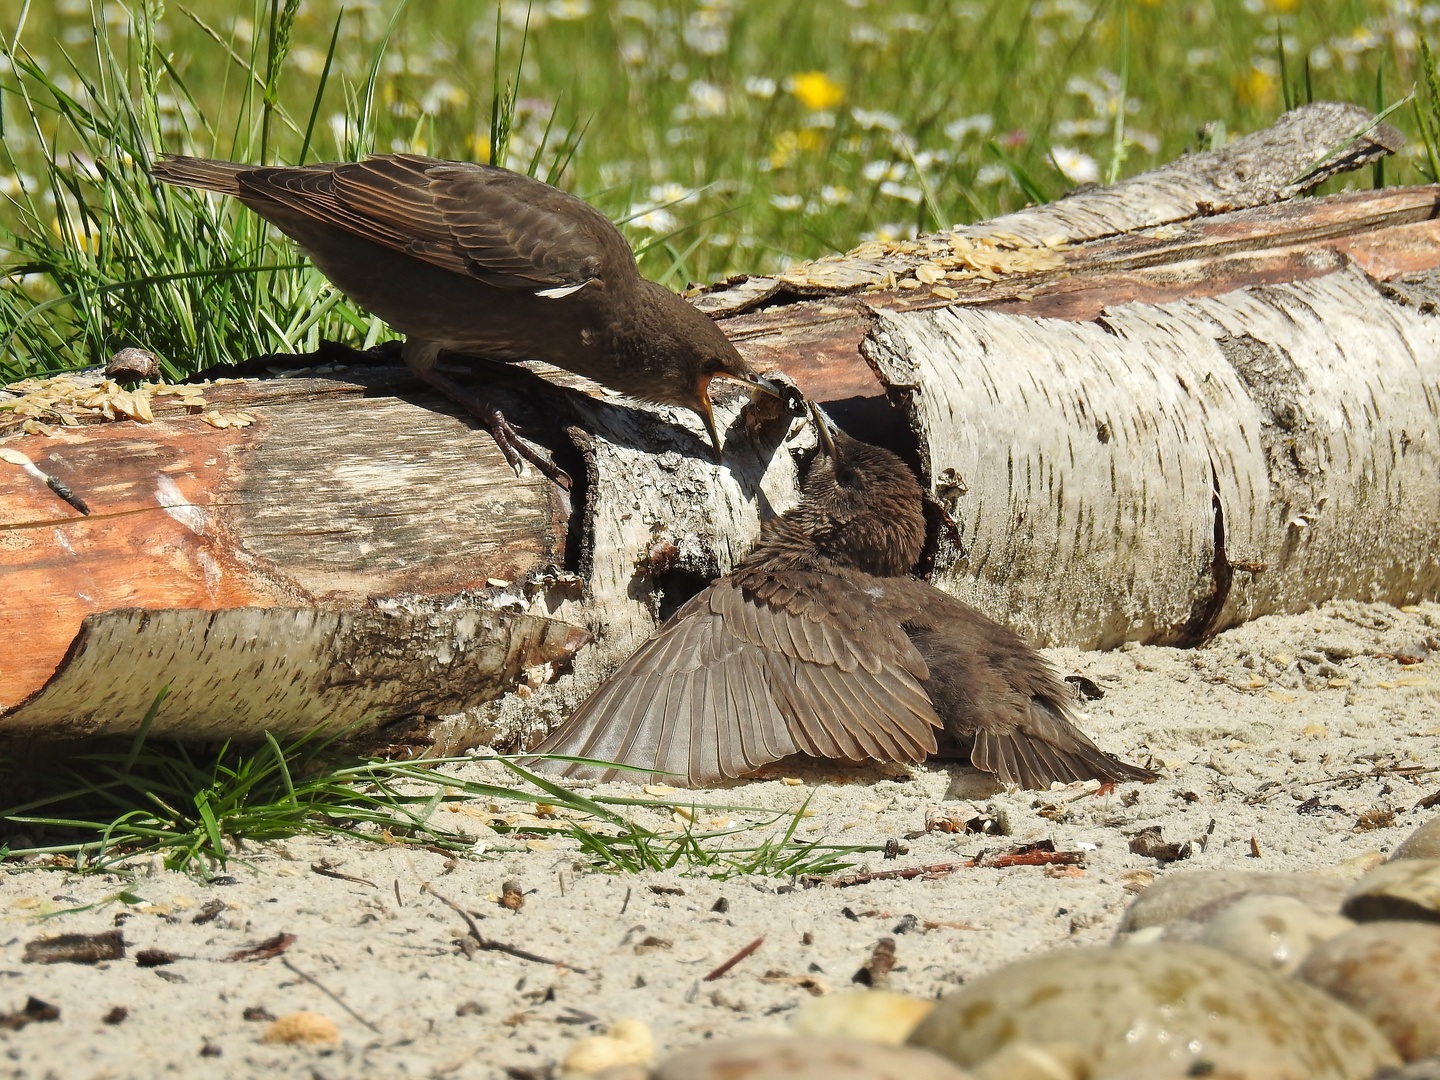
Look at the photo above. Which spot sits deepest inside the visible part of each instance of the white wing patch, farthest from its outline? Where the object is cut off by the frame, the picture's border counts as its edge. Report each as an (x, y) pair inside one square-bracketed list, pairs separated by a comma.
[(562, 291)]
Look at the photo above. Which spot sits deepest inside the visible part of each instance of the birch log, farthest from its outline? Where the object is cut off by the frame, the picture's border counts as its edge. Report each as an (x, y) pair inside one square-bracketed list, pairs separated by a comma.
[(1166, 471), (350, 556), (1147, 419)]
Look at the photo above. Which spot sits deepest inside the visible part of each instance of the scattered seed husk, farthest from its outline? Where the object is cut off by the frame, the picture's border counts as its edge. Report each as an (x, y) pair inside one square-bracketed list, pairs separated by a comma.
[(302, 1028)]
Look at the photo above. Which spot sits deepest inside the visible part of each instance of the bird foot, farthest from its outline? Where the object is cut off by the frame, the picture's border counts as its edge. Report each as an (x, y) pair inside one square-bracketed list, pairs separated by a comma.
[(516, 451)]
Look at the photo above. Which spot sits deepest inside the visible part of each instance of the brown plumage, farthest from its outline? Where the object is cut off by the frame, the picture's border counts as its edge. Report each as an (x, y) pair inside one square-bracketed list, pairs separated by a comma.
[(478, 261), (821, 643)]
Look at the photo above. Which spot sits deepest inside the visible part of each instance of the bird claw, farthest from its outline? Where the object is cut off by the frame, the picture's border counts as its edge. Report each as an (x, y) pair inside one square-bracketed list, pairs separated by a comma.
[(521, 455), (515, 450)]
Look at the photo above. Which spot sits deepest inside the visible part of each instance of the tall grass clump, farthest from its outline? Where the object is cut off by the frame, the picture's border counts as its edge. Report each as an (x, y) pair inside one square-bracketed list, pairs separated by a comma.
[(104, 256)]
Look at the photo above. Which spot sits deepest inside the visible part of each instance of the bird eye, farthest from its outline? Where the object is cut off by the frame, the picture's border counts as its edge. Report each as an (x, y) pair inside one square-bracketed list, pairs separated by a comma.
[(847, 477)]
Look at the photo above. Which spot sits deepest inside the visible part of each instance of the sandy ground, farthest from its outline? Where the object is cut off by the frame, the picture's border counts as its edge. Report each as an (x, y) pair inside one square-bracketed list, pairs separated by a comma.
[(1246, 731)]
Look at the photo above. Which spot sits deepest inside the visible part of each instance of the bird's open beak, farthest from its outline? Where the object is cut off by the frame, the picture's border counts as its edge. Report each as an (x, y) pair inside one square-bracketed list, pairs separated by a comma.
[(793, 399), (707, 414), (825, 429)]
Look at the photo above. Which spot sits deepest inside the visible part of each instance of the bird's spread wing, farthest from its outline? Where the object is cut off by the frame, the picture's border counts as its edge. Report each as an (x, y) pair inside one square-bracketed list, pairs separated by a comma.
[(752, 670), (490, 224), (849, 677)]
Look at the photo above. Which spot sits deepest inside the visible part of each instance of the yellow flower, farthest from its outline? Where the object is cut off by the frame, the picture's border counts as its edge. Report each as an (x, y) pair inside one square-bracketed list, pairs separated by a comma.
[(74, 233), (1255, 87), (782, 152), (1284, 7), (816, 90), (809, 140), (788, 143)]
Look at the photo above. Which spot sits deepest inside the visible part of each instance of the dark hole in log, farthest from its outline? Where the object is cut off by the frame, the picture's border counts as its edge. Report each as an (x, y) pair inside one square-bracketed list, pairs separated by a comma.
[(675, 587)]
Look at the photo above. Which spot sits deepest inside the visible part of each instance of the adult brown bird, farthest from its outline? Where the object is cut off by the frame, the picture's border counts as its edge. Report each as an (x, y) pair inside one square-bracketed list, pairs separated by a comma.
[(821, 643), (481, 262)]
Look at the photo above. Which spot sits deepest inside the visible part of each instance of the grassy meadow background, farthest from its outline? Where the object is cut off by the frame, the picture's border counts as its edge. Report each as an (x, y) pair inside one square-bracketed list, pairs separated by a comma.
[(725, 136)]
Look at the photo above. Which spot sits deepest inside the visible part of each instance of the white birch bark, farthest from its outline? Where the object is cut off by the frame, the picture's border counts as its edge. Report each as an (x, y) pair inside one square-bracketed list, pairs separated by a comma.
[(1085, 463)]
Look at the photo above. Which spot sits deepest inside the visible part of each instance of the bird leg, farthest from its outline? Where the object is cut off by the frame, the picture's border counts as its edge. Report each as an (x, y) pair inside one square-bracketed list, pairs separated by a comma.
[(506, 437)]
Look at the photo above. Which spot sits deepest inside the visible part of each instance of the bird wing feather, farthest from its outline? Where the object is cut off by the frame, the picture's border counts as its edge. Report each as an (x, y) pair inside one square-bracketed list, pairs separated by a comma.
[(990, 687), (493, 225), (1041, 746), (733, 682)]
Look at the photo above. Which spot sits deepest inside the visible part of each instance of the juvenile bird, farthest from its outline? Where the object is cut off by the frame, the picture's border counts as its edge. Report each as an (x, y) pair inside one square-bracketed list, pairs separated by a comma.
[(821, 643), (480, 262)]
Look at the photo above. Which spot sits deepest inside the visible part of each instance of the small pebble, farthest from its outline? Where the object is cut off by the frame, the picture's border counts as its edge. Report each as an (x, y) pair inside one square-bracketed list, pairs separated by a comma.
[(781, 1058), (1423, 843), (1353, 868), (1272, 932), (1026, 1061), (303, 1028), (1177, 895), (1390, 972), (627, 1042)]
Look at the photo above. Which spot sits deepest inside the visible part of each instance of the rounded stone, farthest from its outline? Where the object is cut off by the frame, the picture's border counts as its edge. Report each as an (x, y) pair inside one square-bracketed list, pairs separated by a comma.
[(1175, 896), (1407, 890), (1163, 1011), (875, 1015), (1423, 843), (1272, 932), (799, 1058), (1390, 972)]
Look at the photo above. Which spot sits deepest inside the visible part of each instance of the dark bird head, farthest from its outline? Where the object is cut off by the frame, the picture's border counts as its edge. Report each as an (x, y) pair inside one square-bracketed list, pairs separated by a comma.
[(690, 351), (860, 509)]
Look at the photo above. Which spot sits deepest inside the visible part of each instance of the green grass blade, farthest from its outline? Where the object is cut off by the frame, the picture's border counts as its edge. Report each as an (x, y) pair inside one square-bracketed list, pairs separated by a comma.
[(1285, 89), (1022, 178), (320, 90), (212, 826), (144, 729), (283, 768), (1117, 137)]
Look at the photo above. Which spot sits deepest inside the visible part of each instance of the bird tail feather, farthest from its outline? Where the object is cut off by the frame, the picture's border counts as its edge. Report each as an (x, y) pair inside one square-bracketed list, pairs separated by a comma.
[(1030, 759), (204, 173)]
